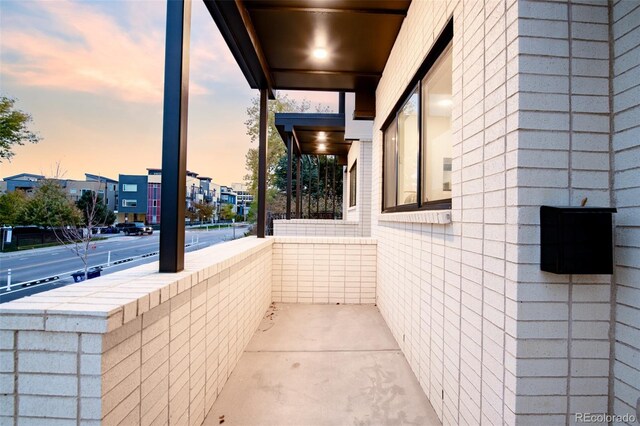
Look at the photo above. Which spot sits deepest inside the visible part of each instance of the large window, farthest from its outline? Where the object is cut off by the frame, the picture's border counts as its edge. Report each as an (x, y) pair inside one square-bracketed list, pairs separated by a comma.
[(353, 184), (417, 145), (129, 187), (129, 203)]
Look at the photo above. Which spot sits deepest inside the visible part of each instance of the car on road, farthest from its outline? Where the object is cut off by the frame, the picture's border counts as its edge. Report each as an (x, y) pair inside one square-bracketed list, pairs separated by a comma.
[(136, 228), (91, 273)]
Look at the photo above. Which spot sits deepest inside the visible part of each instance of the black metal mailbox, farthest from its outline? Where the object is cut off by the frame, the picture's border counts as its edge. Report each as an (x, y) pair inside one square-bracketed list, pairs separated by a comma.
[(576, 240)]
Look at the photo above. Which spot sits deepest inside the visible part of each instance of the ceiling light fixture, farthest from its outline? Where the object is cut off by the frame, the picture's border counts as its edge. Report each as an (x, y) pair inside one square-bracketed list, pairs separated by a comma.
[(322, 147), (445, 102), (322, 136), (320, 53)]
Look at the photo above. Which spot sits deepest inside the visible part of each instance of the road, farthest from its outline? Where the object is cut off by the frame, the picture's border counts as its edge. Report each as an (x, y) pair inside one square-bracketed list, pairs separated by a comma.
[(46, 262)]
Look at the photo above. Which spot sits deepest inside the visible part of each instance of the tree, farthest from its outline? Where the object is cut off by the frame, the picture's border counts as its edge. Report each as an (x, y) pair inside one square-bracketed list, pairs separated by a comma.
[(78, 238), (11, 204), (13, 128), (191, 215), (204, 211), (49, 206), (89, 201), (226, 212)]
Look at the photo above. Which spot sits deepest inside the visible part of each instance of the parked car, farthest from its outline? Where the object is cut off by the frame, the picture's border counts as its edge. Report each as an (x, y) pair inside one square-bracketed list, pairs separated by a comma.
[(105, 230), (136, 228)]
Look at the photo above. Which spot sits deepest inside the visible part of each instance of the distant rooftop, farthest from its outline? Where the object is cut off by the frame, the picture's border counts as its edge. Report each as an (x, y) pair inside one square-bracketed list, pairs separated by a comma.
[(25, 176), (99, 178)]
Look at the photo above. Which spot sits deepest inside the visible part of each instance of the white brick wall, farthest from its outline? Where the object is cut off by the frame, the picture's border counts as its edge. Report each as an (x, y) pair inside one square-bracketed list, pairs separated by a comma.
[(625, 18), (316, 228), (558, 156), (361, 152), (490, 336), (442, 287), (324, 270), (352, 213)]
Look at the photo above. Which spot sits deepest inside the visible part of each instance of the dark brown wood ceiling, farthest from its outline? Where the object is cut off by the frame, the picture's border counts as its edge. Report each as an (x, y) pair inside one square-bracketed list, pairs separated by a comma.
[(357, 34)]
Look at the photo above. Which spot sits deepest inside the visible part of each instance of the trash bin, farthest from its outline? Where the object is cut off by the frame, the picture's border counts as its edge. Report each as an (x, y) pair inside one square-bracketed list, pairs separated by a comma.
[(91, 273)]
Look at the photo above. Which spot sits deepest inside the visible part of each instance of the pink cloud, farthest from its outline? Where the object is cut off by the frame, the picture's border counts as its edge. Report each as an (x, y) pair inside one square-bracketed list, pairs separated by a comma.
[(99, 56)]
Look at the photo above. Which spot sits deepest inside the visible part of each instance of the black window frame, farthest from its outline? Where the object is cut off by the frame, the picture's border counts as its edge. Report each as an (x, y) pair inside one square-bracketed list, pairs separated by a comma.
[(441, 45), (353, 184)]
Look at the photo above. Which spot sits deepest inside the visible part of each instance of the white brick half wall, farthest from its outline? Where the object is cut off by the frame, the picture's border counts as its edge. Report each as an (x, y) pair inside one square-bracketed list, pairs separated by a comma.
[(324, 270), (315, 228), (140, 347), (136, 347)]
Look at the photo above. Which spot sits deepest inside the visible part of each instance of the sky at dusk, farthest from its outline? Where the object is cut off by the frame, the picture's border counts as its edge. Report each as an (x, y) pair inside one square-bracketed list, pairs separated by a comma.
[(91, 74)]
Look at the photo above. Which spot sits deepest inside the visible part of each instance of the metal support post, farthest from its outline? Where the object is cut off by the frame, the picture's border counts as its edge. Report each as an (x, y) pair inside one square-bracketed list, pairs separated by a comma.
[(289, 173), (262, 164), (174, 135)]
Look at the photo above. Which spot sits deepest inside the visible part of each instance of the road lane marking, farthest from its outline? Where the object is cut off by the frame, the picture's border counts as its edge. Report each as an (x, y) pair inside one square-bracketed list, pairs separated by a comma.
[(91, 255), (68, 259)]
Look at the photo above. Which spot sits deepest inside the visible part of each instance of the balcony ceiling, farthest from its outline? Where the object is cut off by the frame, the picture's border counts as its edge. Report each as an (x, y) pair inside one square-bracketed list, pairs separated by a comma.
[(305, 129), (279, 44)]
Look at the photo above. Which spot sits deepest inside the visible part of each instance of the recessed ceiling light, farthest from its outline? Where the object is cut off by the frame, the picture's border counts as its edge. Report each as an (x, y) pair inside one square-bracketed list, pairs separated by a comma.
[(320, 53), (322, 136), (322, 147)]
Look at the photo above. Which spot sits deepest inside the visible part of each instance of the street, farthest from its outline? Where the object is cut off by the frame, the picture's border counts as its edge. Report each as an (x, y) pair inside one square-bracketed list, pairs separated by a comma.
[(41, 263)]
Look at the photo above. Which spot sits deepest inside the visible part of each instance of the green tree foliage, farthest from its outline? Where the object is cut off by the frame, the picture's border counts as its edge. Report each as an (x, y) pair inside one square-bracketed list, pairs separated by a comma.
[(11, 204), (204, 211), (90, 202), (13, 128), (49, 206), (226, 212)]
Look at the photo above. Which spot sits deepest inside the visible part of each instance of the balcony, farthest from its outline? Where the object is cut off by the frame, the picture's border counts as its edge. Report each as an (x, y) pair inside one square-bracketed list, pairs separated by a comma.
[(293, 317)]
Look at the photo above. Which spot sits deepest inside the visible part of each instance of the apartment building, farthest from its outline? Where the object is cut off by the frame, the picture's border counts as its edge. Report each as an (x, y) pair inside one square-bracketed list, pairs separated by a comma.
[(105, 187), (141, 195)]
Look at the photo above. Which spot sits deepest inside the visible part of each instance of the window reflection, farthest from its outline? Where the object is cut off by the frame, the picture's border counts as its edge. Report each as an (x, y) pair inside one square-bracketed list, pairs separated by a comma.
[(436, 130)]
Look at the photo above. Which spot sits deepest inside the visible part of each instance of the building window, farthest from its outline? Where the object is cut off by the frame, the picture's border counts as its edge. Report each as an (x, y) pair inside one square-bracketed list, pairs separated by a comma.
[(436, 130), (129, 203), (353, 183), (129, 187), (417, 144)]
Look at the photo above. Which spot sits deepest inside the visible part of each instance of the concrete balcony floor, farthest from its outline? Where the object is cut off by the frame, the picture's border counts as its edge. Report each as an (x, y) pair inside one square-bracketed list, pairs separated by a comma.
[(322, 365)]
